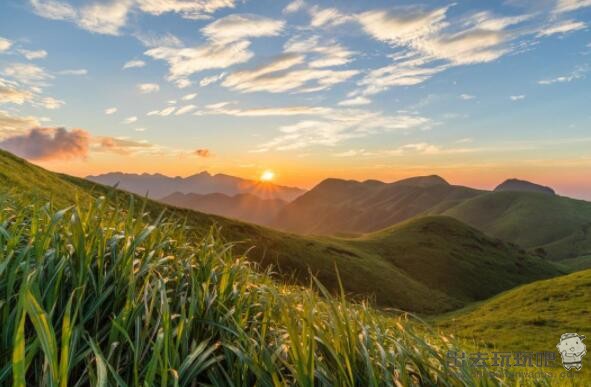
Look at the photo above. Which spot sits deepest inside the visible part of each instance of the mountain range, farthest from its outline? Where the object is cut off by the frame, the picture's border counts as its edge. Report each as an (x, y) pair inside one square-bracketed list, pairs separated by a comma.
[(157, 186), (524, 213)]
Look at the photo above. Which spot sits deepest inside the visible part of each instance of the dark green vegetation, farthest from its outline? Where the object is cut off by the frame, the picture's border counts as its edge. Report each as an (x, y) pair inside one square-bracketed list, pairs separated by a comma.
[(529, 318), (374, 266), (245, 207), (523, 186), (552, 226)]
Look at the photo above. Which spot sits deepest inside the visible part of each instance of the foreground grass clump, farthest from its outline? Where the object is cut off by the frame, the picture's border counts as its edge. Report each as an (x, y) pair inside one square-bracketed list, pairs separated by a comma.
[(91, 295)]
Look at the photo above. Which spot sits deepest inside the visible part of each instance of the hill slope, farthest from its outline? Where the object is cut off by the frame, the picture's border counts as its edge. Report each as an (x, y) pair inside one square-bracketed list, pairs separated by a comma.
[(339, 206), (529, 318), (157, 186), (559, 225), (520, 212), (364, 271), (245, 207)]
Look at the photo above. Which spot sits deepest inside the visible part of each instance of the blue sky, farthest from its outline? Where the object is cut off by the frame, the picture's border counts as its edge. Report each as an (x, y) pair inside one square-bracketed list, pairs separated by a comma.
[(474, 91)]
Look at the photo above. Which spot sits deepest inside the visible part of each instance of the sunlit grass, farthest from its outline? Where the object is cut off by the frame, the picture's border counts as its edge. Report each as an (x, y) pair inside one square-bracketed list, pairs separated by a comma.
[(94, 295)]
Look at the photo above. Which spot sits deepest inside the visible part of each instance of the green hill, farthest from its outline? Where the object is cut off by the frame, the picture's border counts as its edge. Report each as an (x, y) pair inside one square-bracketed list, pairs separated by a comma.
[(529, 318), (350, 207), (559, 225), (371, 266), (518, 211)]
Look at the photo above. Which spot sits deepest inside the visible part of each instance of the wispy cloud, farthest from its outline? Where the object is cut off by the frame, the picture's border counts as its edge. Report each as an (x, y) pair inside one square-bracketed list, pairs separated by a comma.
[(212, 79), (32, 55), (132, 64), (517, 97), (111, 110), (467, 97), (578, 73), (146, 88), (73, 72), (130, 120), (562, 28), (5, 44), (238, 27)]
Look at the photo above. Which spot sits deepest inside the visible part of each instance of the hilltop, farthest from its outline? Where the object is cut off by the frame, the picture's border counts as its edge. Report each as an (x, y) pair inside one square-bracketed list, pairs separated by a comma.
[(369, 272), (523, 186), (158, 186)]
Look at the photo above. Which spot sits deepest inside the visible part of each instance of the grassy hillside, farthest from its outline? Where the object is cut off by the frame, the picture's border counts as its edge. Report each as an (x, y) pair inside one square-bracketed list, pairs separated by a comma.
[(364, 272), (96, 296), (559, 225), (529, 318), (447, 255)]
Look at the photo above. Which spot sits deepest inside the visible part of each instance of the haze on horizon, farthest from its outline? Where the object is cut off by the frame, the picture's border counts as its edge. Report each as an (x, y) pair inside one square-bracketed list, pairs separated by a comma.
[(476, 93)]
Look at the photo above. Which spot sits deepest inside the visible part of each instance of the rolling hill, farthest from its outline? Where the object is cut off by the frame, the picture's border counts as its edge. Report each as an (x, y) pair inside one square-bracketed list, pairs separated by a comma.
[(376, 265), (520, 212), (350, 207), (529, 318), (157, 186), (246, 207)]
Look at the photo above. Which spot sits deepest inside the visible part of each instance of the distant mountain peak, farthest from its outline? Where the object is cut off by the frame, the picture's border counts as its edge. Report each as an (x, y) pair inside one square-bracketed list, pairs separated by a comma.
[(524, 186), (424, 181)]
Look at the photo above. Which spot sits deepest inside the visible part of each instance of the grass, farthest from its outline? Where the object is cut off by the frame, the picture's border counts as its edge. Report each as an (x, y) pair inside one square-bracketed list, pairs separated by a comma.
[(576, 264), (529, 318), (94, 295)]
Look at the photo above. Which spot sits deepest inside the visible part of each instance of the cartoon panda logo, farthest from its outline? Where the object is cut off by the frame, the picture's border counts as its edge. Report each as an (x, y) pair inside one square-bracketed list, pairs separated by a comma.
[(572, 349)]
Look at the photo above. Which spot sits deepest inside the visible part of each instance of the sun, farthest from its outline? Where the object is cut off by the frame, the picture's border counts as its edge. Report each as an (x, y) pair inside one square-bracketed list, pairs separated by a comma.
[(267, 175)]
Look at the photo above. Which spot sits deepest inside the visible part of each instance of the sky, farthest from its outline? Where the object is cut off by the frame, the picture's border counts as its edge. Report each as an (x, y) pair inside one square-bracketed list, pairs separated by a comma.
[(474, 91)]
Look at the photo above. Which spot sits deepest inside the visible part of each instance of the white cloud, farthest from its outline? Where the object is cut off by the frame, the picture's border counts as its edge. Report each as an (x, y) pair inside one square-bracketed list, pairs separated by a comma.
[(183, 83), (279, 76), (339, 127), (26, 73), (189, 97), (184, 62), (356, 101), (52, 9), (130, 120), (578, 73), (10, 123), (32, 55), (467, 97), (517, 97), (233, 28), (5, 44), (105, 18), (327, 17), (110, 111), (163, 113), (294, 6), (213, 79), (571, 5), (328, 53), (190, 9), (146, 88), (74, 72), (134, 64), (563, 27), (151, 40), (427, 42), (185, 109), (11, 93), (51, 103), (224, 108)]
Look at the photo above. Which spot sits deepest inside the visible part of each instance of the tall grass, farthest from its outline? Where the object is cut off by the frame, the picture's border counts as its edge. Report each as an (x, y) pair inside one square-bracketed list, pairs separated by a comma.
[(94, 295)]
